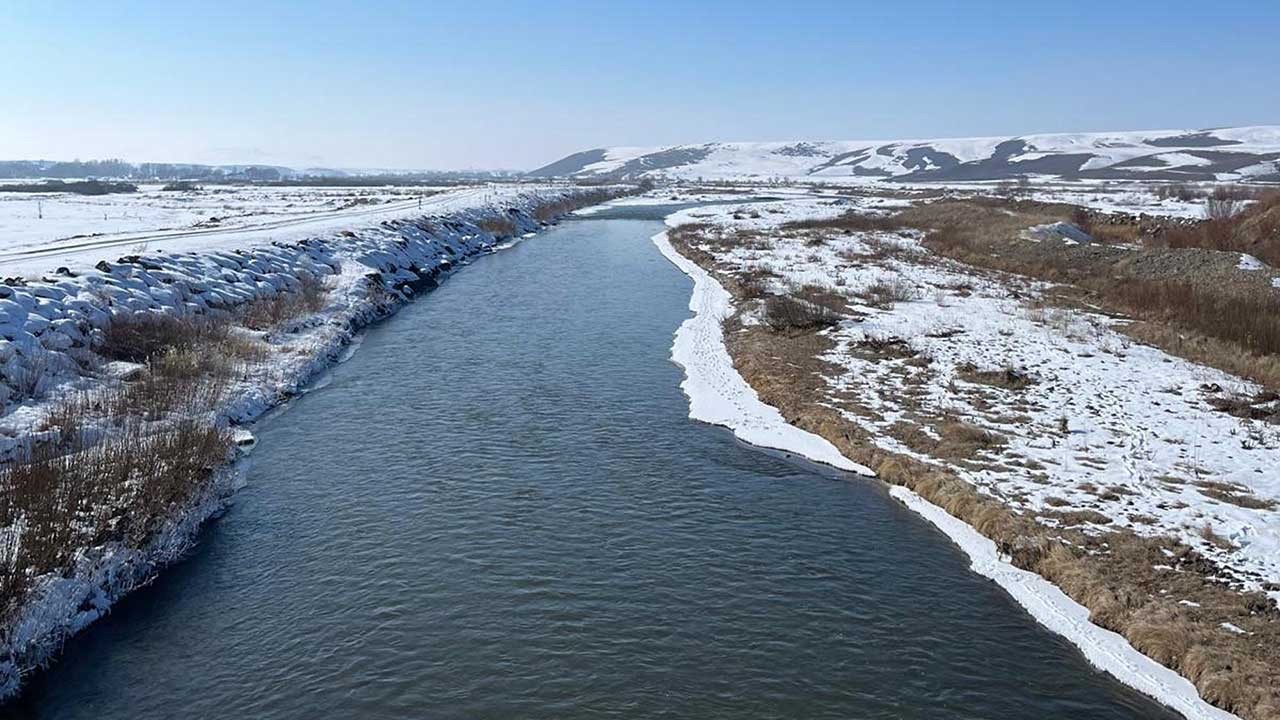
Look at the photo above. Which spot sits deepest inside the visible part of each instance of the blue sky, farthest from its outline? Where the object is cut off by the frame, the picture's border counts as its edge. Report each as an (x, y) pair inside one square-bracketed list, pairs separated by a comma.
[(507, 84)]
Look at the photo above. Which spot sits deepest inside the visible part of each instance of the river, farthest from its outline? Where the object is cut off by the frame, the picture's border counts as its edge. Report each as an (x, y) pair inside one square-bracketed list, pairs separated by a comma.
[(498, 508)]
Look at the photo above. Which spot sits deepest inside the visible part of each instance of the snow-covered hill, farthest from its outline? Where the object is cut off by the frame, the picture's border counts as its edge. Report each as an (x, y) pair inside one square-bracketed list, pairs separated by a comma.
[(1191, 155)]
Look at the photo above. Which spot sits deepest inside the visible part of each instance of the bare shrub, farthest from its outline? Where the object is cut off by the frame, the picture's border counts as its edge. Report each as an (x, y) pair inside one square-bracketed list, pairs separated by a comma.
[(29, 380), (124, 488), (1008, 377), (268, 312), (882, 249), (786, 313), (885, 293), (821, 296), (1178, 191), (887, 346), (848, 222), (1233, 225), (1249, 320), (144, 335), (1213, 538), (755, 283), (1222, 208), (498, 226)]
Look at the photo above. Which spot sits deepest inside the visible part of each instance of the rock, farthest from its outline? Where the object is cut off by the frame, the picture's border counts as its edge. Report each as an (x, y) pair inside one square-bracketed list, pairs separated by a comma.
[(49, 292), (36, 324)]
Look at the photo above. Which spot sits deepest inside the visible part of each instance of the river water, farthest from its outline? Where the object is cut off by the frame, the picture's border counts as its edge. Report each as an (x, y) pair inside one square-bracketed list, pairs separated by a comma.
[(498, 508)]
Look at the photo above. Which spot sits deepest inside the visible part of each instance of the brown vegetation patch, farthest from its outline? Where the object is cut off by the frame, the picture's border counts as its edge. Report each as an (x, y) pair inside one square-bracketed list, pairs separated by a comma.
[(879, 347), (1264, 405), (1248, 320), (269, 312), (122, 488), (783, 313), (1195, 303), (1233, 494), (1076, 518), (1009, 378), (1232, 225), (498, 226), (884, 294), (144, 335), (849, 222)]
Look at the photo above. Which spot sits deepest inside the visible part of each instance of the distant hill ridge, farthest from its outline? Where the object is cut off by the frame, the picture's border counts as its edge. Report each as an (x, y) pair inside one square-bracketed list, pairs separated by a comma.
[(1242, 153)]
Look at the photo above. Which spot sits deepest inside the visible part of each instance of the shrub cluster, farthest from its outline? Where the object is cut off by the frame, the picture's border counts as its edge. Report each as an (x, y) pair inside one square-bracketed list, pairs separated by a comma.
[(118, 462), (786, 313)]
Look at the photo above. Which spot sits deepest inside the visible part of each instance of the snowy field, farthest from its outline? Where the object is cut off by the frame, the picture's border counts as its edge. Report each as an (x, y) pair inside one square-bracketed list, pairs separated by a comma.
[(84, 229), (37, 218), (1108, 196)]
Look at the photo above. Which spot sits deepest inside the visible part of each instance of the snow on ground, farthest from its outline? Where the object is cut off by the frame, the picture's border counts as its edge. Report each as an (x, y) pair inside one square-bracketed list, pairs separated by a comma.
[(1131, 197), (719, 395), (73, 230), (1108, 426), (1249, 262), (1121, 197), (36, 218)]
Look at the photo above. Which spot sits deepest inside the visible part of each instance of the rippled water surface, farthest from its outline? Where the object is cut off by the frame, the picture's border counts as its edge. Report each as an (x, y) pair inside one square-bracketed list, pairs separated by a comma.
[(499, 509)]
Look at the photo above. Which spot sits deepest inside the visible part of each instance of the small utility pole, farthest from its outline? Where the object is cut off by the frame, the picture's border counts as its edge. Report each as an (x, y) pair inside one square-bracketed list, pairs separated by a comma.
[(39, 209)]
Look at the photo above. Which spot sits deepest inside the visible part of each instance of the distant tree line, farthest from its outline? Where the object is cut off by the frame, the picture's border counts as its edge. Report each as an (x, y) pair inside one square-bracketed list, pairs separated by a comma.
[(79, 187), (116, 169), (119, 169)]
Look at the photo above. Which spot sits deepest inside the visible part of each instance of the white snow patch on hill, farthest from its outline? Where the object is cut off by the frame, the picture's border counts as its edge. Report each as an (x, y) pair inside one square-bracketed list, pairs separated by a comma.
[(1193, 154)]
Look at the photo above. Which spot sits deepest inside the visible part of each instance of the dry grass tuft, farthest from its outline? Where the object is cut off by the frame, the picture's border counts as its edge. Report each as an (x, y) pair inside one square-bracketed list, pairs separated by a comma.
[(1232, 225), (884, 294), (122, 488), (277, 309), (783, 313), (849, 222), (1009, 378), (498, 226), (142, 336)]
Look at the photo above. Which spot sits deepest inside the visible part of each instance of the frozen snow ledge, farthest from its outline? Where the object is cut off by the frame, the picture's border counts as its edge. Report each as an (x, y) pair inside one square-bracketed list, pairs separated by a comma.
[(1055, 610), (720, 396)]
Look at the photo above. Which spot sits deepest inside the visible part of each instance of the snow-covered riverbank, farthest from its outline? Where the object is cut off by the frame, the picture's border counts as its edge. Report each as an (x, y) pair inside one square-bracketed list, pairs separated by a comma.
[(719, 395), (51, 329)]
